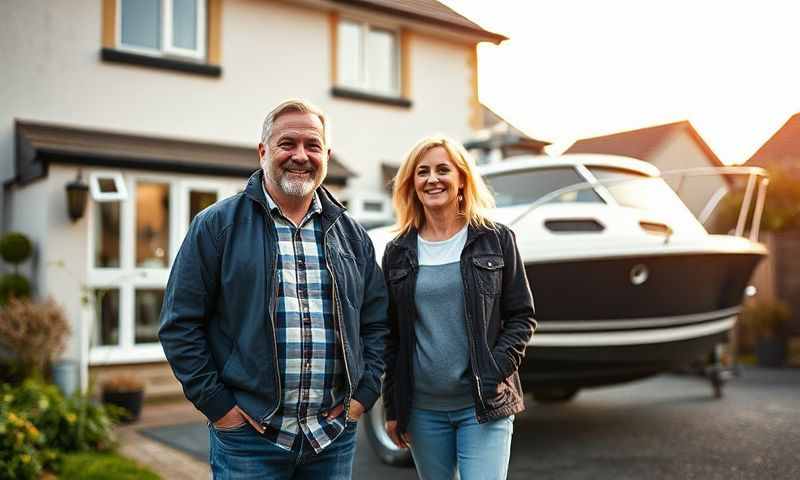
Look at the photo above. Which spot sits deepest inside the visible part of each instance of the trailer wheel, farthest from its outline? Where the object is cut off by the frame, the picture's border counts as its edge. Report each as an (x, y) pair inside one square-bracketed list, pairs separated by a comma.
[(554, 395), (382, 445)]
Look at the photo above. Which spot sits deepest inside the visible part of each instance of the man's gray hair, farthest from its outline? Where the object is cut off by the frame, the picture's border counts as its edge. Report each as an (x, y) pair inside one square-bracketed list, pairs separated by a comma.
[(292, 105)]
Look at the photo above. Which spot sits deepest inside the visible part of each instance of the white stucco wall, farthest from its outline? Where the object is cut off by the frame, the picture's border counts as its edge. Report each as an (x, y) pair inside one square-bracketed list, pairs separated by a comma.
[(270, 51), (64, 253), (680, 151)]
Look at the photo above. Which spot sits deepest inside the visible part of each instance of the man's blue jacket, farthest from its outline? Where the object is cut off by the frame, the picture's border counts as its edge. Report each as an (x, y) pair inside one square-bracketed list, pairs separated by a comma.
[(218, 318)]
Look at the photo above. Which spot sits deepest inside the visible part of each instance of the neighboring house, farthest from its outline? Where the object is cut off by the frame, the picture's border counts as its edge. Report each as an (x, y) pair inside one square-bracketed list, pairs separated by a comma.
[(780, 276), (157, 105), (672, 146), (782, 150), (498, 139)]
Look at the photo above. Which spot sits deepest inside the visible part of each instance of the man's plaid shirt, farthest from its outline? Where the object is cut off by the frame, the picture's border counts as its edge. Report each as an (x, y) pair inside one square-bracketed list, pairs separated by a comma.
[(310, 361)]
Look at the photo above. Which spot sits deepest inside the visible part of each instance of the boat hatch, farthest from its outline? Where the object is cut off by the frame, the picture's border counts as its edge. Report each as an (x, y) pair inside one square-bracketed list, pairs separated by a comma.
[(568, 225), (656, 228)]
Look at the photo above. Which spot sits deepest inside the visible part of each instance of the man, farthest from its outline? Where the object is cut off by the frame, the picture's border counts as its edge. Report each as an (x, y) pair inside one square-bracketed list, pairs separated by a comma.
[(274, 316)]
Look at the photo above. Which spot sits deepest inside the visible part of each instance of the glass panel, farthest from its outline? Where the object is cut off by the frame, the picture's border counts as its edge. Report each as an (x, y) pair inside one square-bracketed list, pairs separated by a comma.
[(152, 225), (349, 54), (107, 185), (141, 23), (382, 61), (148, 310), (373, 206), (106, 315), (184, 24), (199, 201), (520, 188), (635, 190), (106, 235)]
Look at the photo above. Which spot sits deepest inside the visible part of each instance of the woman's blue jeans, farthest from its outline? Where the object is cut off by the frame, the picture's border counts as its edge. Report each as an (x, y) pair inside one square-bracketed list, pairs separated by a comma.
[(443, 443)]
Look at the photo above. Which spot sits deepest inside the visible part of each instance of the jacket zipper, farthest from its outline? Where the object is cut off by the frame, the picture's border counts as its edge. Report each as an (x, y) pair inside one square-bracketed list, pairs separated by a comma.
[(274, 335), (467, 321), (338, 317)]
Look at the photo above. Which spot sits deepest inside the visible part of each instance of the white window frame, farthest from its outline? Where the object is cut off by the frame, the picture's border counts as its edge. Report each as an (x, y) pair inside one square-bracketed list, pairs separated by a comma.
[(128, 277), (167, 48), (364, 83), (100, 196)]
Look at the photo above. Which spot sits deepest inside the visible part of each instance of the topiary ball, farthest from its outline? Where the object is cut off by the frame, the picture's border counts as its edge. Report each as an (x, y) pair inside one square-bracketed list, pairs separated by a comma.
[(13, 285), (15, 247)]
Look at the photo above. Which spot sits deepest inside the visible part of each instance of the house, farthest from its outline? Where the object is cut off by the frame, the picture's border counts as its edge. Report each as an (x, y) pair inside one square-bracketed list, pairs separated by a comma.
[(780, 276), (156, 107), (782, 150), (670, 146), (498, 139)]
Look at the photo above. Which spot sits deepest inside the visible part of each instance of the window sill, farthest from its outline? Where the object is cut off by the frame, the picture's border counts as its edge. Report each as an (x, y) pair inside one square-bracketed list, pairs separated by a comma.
[(370, 97), (186, 66)]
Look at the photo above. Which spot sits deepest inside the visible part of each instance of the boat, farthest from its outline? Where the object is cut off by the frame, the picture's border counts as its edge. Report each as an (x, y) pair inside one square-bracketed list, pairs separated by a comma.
[(627, 282)]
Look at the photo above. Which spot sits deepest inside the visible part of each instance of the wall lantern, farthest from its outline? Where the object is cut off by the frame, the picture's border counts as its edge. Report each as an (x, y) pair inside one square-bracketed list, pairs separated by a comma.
[(77, 194)]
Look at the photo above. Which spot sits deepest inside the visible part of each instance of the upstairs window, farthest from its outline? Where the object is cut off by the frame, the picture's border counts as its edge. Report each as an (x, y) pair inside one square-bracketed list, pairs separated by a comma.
[(368, 58), (163, 27)]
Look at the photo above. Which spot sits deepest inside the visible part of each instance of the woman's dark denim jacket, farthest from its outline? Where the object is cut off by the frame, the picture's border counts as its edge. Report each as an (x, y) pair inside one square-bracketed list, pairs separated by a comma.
[(499, 315)]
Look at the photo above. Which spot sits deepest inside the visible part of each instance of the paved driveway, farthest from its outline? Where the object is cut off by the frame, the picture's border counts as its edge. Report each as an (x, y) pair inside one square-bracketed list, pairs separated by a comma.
[(668, 427)]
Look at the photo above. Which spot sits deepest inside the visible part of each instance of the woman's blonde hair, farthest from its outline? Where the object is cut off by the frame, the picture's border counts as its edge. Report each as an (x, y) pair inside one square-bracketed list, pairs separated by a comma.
[(476, 196)]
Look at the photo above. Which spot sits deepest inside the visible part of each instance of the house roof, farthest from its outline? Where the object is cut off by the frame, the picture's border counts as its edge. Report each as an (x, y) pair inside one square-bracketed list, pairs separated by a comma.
[(642, 143), (40, 144), (427, 11), (782, 148), (491, 118)]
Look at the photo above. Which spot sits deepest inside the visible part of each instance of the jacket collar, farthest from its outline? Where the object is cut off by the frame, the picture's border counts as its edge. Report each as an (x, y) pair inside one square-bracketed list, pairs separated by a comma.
[(331, 208), (408, 240)]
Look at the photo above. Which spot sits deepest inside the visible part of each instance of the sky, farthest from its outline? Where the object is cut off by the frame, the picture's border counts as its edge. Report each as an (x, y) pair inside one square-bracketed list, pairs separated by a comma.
[(574, 69)]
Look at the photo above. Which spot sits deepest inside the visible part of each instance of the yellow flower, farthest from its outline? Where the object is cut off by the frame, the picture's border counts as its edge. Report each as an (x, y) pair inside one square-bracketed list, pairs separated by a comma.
[(44, 403), (25, 458), (71, 417), (12, 417)]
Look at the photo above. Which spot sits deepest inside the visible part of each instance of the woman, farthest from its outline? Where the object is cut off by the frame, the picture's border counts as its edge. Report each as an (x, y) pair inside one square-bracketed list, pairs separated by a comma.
[(461, 314)]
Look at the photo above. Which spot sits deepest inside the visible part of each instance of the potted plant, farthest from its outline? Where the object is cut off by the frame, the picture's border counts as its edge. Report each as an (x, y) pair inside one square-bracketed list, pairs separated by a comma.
[(125, 391), (768, 320)]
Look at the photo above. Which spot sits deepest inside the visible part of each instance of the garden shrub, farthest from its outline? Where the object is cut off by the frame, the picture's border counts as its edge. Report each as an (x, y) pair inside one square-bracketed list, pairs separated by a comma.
[(35, 333), (38, 424)]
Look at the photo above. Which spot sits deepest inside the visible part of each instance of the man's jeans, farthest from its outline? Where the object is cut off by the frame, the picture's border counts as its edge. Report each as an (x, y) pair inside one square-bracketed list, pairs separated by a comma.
[(443, 442), (242, 453)]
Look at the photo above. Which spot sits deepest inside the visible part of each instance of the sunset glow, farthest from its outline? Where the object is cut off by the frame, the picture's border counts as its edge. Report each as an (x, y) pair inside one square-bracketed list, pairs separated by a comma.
[(575, 69)]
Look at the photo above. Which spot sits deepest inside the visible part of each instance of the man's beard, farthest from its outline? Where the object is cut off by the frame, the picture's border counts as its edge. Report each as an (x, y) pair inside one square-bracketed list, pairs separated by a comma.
[(296, 187)]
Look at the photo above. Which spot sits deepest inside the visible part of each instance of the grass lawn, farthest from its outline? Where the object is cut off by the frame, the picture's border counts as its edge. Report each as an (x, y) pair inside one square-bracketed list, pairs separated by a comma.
[(102, 466)]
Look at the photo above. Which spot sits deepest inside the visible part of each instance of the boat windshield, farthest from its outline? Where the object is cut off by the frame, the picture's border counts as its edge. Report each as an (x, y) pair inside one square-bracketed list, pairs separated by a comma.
[(525, 187), (636, 190)]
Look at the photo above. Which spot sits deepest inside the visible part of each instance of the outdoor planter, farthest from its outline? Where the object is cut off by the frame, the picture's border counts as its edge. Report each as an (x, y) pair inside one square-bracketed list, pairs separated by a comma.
[(126, 392), (130, 401), (771, 351)]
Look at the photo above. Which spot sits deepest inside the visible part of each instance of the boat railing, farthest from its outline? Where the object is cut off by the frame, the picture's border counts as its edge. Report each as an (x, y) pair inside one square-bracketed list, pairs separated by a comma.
[(757, 182)]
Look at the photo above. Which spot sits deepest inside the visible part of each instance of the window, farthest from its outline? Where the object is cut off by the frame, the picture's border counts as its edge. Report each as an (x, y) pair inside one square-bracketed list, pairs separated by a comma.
[(152, 224), (636, 190), (163, 27), (368, 58), (132, 244), (522, 188)]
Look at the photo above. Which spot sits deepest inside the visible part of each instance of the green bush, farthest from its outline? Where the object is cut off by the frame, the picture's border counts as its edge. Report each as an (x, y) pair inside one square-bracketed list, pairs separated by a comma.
[(767, 318), (102, 466), (38, 424), (14, 286), (781, 206), (15, 247)]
